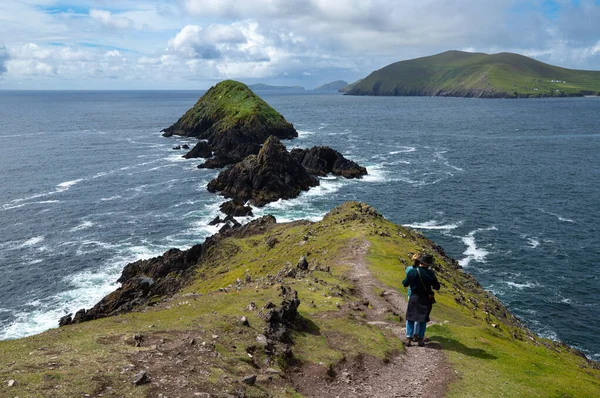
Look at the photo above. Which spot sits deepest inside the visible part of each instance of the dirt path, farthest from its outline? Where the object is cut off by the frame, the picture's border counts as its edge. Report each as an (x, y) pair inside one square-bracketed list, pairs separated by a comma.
[(419, 372)]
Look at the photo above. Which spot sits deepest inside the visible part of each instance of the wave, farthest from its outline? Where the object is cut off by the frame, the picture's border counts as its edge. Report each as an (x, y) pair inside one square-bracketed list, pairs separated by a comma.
[(560, 218), (474, 253), (304, 134), (82, 226), (405, 149), (32, 241), (111, 198), (433, 224), (533, 243), (521, 286), (64, 186), (85, 290)]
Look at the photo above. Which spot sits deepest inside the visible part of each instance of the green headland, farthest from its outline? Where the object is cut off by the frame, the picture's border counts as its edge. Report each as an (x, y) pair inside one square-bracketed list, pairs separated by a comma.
[(222, 333), (463, 74)]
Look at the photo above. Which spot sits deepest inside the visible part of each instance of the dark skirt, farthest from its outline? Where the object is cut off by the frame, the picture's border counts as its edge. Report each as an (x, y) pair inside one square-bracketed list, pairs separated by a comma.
[(419, 308)]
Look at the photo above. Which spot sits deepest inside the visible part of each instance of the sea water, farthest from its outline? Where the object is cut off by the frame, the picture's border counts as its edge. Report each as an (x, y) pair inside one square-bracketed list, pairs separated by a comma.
[(510, 188)]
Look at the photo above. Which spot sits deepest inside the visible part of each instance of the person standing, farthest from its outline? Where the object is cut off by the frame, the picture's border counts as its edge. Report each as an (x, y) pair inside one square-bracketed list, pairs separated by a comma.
[(422, 281)]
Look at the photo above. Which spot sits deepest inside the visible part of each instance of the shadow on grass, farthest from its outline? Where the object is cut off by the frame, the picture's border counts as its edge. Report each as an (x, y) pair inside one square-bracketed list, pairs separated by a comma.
[(305, 326), (453, 345)]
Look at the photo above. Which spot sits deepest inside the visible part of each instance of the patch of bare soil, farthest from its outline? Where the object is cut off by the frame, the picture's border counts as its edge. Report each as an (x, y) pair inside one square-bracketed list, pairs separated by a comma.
[(417, 372)]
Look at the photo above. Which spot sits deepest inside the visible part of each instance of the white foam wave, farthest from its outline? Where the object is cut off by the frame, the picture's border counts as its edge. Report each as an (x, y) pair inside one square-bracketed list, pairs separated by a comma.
[(560, 218), (111, 198), (375, 173), (521, 286), (533, 243), (474, 253), (82, 226), (405, 149), (434, 224), (303, 134), (86, 289), (63, 186), (32, 241)]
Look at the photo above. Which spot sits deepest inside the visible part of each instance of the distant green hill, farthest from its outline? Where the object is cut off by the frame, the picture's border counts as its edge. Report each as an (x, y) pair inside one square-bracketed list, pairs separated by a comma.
[(463, 74), (336, 85), (261, 86)]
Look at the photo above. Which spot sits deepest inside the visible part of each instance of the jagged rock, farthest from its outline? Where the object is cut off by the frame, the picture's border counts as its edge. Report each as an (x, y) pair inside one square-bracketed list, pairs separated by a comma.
[(236, 208), (141, 281), (267, 177), (250, 380), (137, 340), (11, 383), (185, 146), (141, 378), (200, 150), (244, 321), (279, 319), (216, 221), (177, 147), (321, 160), (65, 320), (302, 263), (233, 120)]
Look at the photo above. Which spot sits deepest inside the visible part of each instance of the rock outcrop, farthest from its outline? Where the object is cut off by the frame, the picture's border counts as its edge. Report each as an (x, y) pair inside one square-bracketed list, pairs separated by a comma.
[(142, 281), (321, 160), (200, 150), (233, 120), (269, 176)]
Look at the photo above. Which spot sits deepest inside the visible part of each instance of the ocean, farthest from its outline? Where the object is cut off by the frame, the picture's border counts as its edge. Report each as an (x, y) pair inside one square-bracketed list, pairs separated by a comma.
[(510, 188)]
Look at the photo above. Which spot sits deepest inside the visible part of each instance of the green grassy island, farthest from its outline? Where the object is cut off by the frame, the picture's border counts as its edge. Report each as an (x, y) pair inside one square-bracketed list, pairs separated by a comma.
[(235, 327), (463, 74)]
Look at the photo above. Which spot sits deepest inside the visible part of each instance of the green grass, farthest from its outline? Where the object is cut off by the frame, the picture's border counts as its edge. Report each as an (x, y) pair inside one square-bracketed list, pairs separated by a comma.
[(230, 105), (462, 74), (489, 361), (505, 360)]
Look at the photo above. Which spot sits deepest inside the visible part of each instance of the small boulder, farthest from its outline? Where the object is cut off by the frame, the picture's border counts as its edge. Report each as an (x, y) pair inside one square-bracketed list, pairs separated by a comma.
[(250, 380), (216, 221), (302, 263), (141, 378), (185, 146), (65, 320), (236, 208), (177, 147)]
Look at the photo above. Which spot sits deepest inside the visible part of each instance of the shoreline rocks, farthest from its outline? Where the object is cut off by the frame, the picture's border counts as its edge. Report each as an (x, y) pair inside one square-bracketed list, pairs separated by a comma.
[(322, 160), (267, 177)]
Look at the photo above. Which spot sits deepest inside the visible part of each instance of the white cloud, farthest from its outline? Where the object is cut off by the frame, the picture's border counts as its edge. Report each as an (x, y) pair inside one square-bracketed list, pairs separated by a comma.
[(3, 58), (106, 18)]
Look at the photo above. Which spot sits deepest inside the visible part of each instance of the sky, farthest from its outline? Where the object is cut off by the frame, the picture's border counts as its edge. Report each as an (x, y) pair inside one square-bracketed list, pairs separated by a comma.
[(193, 44)]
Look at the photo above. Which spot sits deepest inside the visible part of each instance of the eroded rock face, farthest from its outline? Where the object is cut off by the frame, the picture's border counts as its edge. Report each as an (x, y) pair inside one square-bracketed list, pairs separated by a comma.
[(233, 120), (141, 281), (200, 150), (269, 176), (321, 160), (145, 281), (236, 208)]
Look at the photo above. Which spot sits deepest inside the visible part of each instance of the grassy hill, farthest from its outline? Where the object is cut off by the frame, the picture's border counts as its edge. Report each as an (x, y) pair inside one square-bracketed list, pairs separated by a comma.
[(196, 344), (463, 74)]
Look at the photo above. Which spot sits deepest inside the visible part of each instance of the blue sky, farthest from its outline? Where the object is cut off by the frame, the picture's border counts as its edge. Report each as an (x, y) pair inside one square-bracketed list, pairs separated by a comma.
[(192, 44)]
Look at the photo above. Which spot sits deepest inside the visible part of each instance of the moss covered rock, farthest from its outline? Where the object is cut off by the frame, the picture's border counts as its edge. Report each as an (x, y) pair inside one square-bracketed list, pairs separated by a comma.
[(233, 120)]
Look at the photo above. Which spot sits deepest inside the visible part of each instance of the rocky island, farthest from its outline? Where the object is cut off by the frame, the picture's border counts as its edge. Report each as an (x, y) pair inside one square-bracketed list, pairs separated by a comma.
[(478, 75), (232, 121), (302, 308)]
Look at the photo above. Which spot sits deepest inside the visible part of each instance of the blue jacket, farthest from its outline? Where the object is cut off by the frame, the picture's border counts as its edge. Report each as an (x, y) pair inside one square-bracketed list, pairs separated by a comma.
[(428, 278)]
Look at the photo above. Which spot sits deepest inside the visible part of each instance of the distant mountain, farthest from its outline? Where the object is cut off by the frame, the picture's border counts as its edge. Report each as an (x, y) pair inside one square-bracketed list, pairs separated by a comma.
[(336, 85), (261, 86), (463, 74)]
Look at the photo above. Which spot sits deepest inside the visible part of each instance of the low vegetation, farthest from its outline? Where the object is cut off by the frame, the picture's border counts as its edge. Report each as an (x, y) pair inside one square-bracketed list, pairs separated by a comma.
[(463, 74), (197, 342)]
